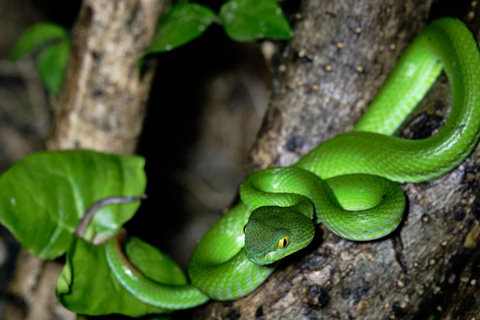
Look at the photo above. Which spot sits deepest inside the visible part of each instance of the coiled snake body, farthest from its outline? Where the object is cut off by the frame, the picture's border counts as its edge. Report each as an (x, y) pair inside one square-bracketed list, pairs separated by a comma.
[(347, 183)]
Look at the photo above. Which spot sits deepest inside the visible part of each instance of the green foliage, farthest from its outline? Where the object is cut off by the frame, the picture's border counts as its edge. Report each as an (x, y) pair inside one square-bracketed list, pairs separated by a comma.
[(183, 23), (248, 20), (53, 44), (51, 65), (87, 275), (38, 35), (43, 197), (244, 20)]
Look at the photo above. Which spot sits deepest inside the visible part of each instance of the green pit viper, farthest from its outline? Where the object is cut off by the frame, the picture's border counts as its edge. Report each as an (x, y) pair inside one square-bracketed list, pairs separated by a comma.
[(348, 183)]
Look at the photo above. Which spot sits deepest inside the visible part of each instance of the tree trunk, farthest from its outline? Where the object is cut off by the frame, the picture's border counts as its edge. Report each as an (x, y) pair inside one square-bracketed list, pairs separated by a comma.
[(102, 107), (339, 57)]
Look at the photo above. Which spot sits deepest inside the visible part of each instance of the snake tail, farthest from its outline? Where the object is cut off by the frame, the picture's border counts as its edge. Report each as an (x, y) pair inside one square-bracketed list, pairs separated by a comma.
[(168, 297)]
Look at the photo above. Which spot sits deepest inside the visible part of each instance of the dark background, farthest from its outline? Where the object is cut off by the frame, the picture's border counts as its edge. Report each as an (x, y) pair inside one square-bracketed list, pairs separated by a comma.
[(207, 103)]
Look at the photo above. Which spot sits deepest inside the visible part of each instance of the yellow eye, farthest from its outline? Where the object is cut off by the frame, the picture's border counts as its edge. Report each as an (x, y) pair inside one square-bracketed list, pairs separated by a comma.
[(245, 229), (283, 243)]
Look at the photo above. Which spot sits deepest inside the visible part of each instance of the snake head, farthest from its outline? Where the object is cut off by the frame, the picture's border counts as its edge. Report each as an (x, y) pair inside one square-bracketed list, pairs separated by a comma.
[(273, 233)]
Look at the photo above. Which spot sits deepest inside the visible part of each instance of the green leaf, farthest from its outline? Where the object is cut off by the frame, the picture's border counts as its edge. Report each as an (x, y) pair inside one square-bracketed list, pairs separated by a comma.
[(51, 65), (248, 20), (87, 274), (43, 196), (38, 35), (183, 23)]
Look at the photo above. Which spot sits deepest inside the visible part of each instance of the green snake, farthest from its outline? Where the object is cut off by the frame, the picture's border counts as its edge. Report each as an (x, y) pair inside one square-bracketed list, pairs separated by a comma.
[(348, 183)]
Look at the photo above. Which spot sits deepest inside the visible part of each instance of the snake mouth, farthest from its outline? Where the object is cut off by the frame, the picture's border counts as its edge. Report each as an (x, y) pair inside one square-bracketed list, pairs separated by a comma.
[(261, 259)]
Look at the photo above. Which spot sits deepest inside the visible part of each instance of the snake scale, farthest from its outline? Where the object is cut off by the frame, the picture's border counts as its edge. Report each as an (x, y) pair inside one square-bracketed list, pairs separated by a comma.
[(348, 183)]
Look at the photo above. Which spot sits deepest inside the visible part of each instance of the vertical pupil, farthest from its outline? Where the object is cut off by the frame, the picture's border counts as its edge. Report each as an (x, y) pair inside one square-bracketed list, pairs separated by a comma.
[(283, 242)]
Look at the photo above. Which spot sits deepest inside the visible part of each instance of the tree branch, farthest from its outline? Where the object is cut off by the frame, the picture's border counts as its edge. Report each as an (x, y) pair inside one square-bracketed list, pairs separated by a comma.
[(341, 53)]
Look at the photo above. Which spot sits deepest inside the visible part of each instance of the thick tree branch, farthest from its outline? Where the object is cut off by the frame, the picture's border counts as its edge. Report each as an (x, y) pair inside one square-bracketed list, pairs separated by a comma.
[(339, 58)]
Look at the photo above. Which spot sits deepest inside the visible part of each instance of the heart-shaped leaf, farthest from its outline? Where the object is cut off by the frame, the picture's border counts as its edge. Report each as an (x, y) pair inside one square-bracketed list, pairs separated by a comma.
[(43, 196), (87, 274)]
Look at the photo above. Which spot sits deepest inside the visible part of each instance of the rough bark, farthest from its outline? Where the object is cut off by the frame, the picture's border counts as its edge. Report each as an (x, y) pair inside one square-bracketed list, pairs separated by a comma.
[(338, 59), (103, 102), (101, 107)]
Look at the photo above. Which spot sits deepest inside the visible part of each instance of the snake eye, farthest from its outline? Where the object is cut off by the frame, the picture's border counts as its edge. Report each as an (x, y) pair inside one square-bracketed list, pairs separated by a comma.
[(283, 243), (245, 229)]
